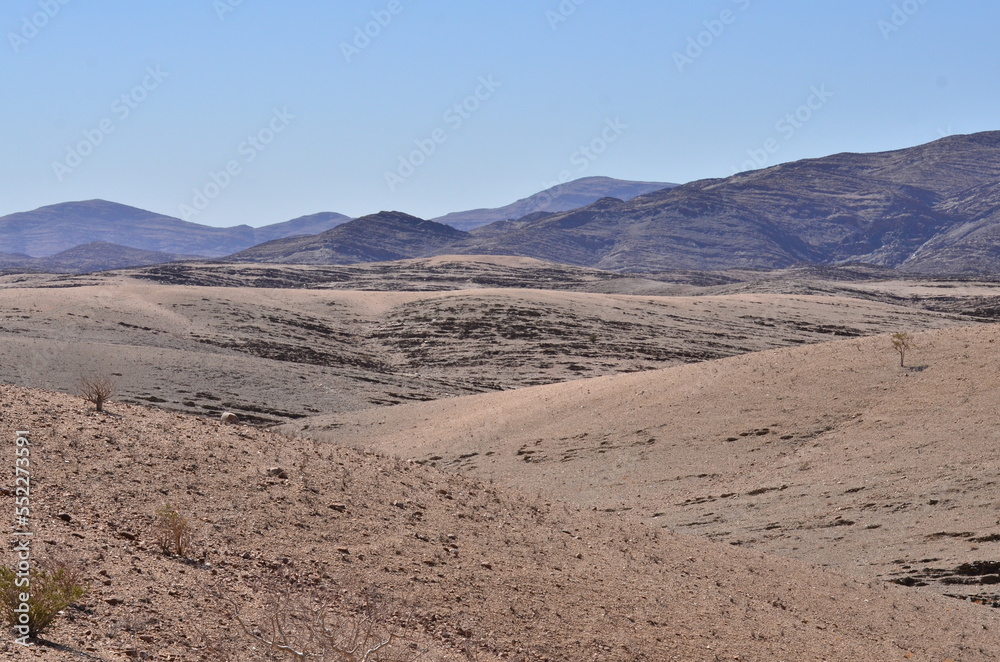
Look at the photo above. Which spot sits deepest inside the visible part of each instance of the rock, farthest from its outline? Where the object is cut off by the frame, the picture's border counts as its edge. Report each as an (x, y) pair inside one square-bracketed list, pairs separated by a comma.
[(278, 472), (229, 418), (66, 517)]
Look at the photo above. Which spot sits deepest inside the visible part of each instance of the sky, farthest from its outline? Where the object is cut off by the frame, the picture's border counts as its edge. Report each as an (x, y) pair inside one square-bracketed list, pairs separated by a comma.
[(228, 112)]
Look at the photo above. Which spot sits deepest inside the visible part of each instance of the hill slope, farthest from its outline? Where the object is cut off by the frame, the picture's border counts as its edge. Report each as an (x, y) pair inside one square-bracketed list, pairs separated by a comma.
[(454, 565), (832, 454), (571, 195)]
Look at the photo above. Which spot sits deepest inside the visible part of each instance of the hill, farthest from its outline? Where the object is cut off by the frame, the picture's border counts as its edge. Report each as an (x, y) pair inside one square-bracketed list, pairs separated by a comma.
[(48, 230), (831, 454), (461, 569), (571, 195), (378, 237)]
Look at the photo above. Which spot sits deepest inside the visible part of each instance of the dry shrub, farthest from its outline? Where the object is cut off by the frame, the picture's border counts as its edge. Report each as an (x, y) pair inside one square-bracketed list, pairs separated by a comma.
[(326, 628), (172, 530), (97, 389), (55, 584)]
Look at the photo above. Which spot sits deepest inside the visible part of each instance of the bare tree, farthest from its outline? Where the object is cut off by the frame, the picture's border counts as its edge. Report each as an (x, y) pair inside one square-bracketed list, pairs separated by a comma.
[(97, 389), (902, 342)]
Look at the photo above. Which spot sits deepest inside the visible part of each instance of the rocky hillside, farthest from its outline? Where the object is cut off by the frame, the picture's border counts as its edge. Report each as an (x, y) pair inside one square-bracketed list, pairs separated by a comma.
[(933, 208), (459, 569), (375, 238)]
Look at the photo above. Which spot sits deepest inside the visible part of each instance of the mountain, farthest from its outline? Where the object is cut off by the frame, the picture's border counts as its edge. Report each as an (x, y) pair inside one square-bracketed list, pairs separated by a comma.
[(15, 261), (563, 197), (101, 256), (95, 256), (301, 226), (55, 228), (387, 235), (933, 208)]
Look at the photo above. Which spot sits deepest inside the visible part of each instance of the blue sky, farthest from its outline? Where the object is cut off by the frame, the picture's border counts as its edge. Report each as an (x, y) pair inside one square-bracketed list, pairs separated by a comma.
[(229, 112)]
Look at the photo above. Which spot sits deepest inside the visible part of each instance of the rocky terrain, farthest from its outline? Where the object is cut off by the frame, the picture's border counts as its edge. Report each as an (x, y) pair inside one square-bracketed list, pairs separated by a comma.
[(295, 345), (748, 475), (460, 569)]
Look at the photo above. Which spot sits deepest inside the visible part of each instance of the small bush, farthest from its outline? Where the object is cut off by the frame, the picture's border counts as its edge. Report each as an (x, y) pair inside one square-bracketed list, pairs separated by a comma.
[(173, 531), (54, 585), (97, 390)]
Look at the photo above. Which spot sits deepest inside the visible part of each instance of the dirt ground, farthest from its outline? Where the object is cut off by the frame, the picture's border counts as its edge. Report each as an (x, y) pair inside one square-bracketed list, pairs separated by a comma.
[(718, 467), (463, 569)]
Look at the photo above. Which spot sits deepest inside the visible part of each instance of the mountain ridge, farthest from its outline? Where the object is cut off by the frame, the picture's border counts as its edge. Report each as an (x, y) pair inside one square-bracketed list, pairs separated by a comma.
[(51, 229), (561, 197)]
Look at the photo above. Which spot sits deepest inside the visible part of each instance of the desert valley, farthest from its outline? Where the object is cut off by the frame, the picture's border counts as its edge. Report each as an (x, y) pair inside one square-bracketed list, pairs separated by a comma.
[(751, 418)]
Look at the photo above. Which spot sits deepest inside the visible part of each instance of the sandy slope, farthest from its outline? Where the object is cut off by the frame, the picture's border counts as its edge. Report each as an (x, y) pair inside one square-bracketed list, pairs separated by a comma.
[(832, 454), (460, 565)]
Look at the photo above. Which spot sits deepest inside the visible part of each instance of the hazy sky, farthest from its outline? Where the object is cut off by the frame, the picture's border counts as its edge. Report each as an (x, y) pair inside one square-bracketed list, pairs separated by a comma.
[(245, 111)]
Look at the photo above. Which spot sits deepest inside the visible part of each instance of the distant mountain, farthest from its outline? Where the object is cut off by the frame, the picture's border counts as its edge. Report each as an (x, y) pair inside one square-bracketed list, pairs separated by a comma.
[(571, 195), (95, 256), (101, 256), (15, 262), (299, 227), (55, 228), (933, 208), (379, 237)]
